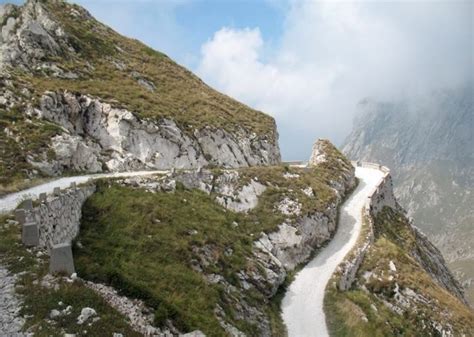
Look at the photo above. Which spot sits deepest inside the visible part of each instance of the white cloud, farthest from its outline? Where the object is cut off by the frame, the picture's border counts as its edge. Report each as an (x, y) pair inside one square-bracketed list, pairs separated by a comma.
[(333, 54)]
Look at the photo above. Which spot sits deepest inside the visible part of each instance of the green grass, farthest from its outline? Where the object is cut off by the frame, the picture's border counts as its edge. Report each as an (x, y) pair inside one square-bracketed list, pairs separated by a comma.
[(395, 242), (125, 245), (38, 301), (29, 137)]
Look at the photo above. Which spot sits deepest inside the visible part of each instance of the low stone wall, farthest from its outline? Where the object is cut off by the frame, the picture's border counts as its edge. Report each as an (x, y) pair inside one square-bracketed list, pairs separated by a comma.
[(53, 221), (381, 196)]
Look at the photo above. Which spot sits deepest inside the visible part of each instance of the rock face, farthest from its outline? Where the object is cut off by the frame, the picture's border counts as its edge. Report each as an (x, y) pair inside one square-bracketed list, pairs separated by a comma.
[(28, 36), (427, 143), (100, 137), (431, 259), (317, 154)]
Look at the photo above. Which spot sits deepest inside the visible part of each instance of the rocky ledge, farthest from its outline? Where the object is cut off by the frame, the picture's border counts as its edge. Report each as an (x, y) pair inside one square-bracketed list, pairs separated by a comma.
[(98, 137)]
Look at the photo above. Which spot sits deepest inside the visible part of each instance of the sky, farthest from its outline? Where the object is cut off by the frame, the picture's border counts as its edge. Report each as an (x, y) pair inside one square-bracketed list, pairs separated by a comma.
[(306, 63)]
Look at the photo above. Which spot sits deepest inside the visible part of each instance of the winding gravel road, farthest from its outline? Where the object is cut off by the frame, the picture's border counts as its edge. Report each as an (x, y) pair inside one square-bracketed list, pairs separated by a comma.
[(11, 201), (302, 305)]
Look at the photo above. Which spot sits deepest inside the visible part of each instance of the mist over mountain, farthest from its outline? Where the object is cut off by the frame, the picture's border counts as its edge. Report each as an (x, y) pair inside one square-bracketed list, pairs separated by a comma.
[(428, 143)]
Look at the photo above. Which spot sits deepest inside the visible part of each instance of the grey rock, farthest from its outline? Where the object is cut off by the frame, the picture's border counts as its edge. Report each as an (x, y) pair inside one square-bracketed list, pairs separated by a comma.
[(43, 197), (61, 260), (27, 204), (237, 199), (318, 154), (86, 313), (31, 37), (30, 234), (20, 216), (100, 136)]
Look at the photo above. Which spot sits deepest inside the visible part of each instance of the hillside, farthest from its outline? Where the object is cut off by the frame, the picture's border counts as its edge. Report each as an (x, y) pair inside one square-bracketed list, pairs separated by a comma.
[(427, 142), (202, 250), (402, 288), (75, 96)]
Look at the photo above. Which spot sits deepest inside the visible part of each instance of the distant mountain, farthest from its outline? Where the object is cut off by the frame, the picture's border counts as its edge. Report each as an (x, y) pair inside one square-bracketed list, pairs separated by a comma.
[(428, 142)]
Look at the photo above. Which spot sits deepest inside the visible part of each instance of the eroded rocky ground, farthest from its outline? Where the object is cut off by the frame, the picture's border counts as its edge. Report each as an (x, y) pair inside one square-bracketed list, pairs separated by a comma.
[(11, 322)]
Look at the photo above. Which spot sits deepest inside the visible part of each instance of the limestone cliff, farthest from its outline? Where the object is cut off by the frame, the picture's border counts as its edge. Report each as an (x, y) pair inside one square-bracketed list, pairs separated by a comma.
[(75, 96)]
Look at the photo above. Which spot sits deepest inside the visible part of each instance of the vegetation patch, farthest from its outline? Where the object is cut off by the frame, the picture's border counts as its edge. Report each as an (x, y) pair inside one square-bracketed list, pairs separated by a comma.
[(20, 137), (148, 244), (384, 302), (38, 300), (144, 244)]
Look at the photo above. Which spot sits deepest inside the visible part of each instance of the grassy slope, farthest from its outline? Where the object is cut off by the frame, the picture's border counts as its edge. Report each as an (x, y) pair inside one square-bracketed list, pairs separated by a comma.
[(39, 301), (139, 242), (179, 94), (33, 136), (348, 310)]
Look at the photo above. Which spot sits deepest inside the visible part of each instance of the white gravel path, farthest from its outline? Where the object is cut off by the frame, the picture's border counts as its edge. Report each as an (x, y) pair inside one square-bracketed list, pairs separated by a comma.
[(302, 306), (11, 201)]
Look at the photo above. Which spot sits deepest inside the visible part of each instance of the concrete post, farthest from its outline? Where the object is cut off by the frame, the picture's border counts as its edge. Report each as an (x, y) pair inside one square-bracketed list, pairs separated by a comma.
[(27, 204), (20, 216), (30, 234), (73, 185), (57, 191), (61, 260), (43, 197)]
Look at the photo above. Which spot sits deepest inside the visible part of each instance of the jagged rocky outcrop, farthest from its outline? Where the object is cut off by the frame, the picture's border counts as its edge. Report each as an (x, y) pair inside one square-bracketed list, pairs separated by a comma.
[(100, 137), (427, 143), (431, 259), (402, 285), (29, 36)]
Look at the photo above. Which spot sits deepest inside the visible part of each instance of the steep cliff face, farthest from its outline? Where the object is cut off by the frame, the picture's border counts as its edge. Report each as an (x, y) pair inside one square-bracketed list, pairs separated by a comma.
[(427, 142), (77, 97)]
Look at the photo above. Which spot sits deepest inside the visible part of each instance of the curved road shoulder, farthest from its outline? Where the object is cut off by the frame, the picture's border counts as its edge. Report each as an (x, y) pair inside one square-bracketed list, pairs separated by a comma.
[(11, 201)]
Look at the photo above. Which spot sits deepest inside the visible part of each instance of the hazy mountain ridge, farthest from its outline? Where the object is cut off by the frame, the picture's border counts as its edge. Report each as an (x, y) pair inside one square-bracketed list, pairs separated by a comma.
[(427, 142)]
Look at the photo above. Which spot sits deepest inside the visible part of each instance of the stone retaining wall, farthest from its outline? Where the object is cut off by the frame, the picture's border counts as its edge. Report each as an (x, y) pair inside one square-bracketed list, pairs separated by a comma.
[(382, 195), (53, 221)]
